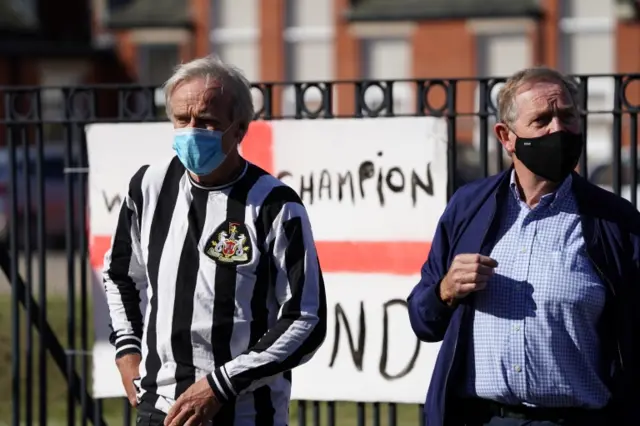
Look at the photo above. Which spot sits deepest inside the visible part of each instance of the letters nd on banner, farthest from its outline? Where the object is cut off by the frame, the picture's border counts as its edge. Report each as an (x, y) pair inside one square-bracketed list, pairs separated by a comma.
[(374, 190)]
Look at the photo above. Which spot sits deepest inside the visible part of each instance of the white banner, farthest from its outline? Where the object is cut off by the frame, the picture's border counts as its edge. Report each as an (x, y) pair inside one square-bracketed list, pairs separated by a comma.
[(374, 189)]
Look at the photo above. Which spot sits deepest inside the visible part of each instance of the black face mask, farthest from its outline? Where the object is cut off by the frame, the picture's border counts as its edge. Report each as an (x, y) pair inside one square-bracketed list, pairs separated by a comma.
[(552, 156)]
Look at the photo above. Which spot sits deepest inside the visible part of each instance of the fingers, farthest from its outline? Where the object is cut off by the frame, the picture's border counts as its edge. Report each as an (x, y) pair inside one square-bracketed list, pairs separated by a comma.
[(474, 277), (180, 419), (131, 392), (194, 421), (478, 259), (133, 400), (468, 273), (465, 289), (173, 411)]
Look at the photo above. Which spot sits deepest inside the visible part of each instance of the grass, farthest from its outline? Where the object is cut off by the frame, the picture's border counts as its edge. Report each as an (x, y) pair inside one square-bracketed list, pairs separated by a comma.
[(113, 409)]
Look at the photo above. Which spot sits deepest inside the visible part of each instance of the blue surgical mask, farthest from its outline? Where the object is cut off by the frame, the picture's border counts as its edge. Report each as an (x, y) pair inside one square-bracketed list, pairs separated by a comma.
[(199, 150)]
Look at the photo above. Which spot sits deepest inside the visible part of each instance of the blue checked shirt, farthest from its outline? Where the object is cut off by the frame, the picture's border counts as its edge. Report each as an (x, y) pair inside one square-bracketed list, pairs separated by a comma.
[(534, 337)]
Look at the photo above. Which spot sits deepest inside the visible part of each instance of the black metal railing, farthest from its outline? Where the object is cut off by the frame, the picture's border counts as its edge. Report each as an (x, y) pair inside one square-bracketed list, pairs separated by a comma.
[(36, 120)]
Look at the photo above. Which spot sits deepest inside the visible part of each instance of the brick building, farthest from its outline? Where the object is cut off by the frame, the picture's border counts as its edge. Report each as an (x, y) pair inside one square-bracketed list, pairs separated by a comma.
[(93, 41)]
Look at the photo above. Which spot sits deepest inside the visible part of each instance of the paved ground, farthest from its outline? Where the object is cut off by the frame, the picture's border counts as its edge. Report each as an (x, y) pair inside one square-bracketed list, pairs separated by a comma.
[(57, 278)]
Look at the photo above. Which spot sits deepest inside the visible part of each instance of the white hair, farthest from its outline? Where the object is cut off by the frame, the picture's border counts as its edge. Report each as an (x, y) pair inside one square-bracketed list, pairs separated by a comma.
[(231, 79), (507, 109)]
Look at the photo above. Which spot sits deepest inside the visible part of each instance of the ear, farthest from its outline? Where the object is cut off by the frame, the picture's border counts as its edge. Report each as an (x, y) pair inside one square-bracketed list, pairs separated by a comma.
[(502, 134)]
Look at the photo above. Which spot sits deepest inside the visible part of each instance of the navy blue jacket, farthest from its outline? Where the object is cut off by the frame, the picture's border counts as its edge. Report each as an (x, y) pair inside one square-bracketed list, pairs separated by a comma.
[(611, 228)]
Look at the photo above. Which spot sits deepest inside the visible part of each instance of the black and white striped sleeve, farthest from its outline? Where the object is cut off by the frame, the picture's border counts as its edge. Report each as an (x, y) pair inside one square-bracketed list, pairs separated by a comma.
[(299, 289), (124, 273)]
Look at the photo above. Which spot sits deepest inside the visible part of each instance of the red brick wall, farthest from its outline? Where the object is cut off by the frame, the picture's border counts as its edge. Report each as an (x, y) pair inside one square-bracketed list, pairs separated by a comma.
[(272, 47), (347, 61), (628, 61), (433, 58)]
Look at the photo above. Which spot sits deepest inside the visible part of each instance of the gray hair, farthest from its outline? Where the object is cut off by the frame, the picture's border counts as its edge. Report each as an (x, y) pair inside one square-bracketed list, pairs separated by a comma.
[(507, 109), (231, 79)]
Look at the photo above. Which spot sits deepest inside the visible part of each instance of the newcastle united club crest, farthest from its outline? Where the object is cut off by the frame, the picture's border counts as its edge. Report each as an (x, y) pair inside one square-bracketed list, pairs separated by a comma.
[(229, 244)]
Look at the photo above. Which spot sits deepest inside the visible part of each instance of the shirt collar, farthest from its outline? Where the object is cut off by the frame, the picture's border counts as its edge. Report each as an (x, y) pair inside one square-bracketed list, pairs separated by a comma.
[(547, 199)]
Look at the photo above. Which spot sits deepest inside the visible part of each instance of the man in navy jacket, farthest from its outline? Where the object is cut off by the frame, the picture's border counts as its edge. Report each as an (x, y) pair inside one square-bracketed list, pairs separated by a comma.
[(532, 281)]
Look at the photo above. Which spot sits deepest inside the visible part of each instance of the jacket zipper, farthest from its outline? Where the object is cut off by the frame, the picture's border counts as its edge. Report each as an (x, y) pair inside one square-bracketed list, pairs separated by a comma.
[(604, 278), (455, 344)]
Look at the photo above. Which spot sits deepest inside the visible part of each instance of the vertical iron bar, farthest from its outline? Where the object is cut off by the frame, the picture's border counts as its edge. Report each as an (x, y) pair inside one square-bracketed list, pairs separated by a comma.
[(633, 160), (392, 414), (376, 414), (315, 410), (421, 417), (83, 251), (13, 238), (126, 410), (71, 298), (42, 265), (452, 157), (362, 414), (584, 90), (331, 413), (302, 413), (484, 128), (328, 100), (267, 101), (617, 135), (97, 413), (26, 176)]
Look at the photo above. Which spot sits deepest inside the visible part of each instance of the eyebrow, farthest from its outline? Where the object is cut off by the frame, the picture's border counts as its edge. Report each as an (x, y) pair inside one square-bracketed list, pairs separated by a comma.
[(565, 109), (200, 116)]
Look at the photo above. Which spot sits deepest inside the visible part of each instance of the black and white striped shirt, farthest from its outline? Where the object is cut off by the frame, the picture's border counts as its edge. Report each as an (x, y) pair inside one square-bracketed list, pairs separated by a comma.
[(233, 284)]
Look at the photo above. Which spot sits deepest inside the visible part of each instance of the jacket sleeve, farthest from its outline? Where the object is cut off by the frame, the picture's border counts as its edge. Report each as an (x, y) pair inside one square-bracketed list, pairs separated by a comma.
[(124, 274), (299, 289), (428, 314)]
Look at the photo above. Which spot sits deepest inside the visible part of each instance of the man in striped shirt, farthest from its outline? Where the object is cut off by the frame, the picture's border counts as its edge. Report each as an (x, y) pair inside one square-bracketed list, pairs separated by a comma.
[(226, 256)]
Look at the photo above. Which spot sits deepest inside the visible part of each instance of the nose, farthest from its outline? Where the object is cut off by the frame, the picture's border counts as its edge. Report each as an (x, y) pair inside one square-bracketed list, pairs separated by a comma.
[(556, 125)]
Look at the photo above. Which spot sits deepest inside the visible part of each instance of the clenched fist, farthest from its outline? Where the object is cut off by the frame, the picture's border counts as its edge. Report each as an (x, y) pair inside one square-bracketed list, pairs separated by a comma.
[(468, 273)]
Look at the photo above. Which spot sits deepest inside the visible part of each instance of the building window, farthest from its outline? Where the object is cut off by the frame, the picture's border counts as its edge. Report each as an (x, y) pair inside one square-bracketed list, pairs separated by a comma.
[(55, 108), (235, 34), (587, 46), (156, 62), (388, 59), (155, 65), (308, 37)]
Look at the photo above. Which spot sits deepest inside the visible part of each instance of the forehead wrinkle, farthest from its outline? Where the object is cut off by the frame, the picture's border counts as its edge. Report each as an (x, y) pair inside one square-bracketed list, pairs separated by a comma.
[(205, 98), (531, 100)]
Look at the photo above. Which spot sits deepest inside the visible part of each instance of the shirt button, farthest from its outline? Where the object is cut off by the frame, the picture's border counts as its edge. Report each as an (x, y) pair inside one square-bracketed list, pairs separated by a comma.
[(517, 368), (516, 328), (523, 250)]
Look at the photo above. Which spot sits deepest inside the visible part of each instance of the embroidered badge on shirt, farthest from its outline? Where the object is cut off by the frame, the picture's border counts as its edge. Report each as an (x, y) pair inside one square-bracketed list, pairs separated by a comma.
[(229, 244)]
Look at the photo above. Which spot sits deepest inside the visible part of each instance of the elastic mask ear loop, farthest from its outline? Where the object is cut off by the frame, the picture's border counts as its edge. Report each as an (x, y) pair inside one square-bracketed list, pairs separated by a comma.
[(231, 126), (510, 129)]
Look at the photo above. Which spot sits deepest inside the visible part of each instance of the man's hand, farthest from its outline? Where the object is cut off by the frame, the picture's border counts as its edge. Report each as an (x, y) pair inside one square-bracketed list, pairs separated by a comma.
[(196, 406), (468, 273), (129, 367)]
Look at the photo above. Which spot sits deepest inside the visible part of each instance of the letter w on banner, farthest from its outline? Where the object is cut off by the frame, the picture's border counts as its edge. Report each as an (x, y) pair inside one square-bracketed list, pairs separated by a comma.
[(374, 189)]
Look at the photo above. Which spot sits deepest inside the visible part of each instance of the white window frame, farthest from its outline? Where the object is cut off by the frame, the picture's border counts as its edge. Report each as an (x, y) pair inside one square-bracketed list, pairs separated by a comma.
[(233, 35), (300, 34), (570, 25)]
